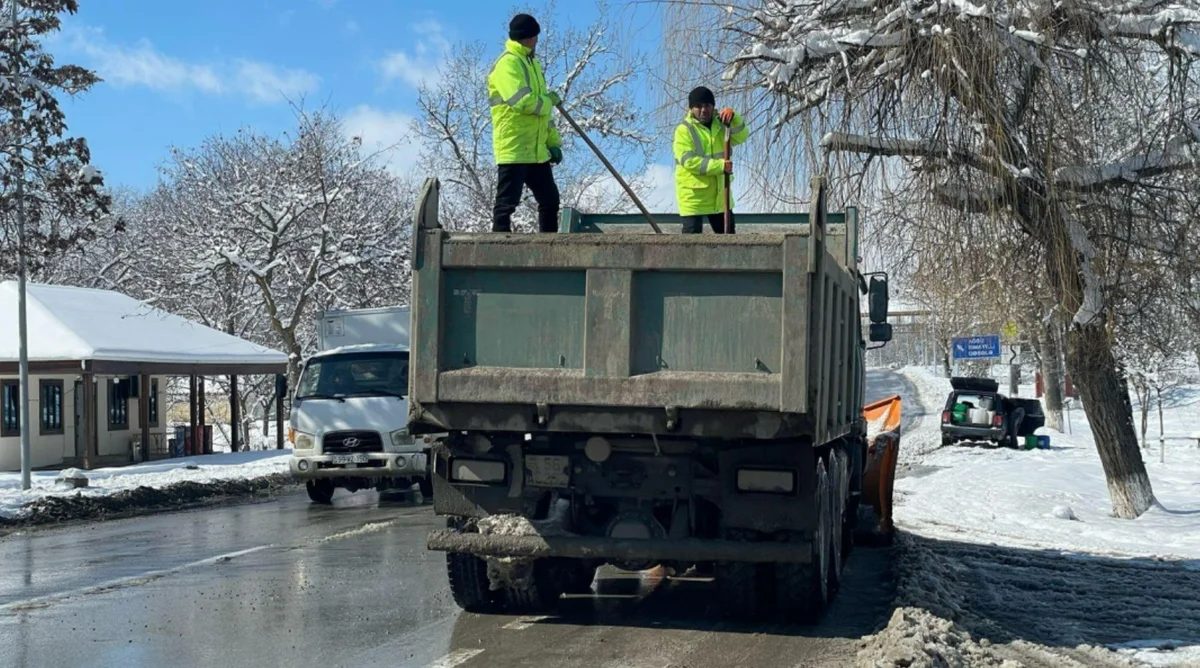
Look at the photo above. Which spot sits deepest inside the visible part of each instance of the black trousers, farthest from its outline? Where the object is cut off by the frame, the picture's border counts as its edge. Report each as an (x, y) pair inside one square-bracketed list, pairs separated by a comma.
[(510, 183), (694, 224)]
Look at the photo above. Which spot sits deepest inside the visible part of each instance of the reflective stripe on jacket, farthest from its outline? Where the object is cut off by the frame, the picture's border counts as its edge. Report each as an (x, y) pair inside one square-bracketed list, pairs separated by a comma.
[(522, 132), (700, 164)]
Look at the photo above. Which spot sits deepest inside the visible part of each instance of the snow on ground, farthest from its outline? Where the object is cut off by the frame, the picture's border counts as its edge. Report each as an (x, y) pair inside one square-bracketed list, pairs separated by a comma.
[(157, 474), (1027, 540), (1054, 498)]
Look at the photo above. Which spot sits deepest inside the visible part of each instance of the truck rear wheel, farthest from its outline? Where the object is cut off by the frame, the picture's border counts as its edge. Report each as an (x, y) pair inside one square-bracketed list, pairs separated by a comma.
[(803, 589), (541, 589), (740, 588), (320, 491), (468, 579), (839, 491)]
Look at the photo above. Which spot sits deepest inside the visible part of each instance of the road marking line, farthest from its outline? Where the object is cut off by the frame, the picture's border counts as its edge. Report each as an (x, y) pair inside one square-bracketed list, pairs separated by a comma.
[(122, 583), (455, 658), (522, 623)]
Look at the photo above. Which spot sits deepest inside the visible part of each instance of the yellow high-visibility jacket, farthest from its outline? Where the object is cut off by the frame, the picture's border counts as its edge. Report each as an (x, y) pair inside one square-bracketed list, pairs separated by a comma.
[(522, 132), (700, 164)]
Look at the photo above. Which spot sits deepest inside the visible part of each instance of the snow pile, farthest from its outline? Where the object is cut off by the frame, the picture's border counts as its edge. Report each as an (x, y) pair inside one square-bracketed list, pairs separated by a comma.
[(206, 469), (917, 639), (1000, 521)]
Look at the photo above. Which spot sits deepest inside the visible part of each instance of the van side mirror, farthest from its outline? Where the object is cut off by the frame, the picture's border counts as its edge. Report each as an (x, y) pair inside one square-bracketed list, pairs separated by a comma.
[(281, 385), (881, 332), (877, 298)]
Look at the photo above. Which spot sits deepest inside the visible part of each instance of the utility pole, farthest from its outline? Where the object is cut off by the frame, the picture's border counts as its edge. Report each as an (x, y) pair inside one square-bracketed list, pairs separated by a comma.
[(22, 324)]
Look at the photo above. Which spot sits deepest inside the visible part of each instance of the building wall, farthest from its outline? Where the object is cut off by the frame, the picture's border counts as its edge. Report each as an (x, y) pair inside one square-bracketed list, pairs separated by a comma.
[(50, 450)]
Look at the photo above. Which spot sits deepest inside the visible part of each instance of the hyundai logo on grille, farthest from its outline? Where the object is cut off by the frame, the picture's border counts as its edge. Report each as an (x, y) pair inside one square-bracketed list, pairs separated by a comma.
[(351, 442)]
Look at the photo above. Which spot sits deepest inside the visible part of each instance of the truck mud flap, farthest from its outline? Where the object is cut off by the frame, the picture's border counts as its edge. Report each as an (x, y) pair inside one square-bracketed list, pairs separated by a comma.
[(587, 547)]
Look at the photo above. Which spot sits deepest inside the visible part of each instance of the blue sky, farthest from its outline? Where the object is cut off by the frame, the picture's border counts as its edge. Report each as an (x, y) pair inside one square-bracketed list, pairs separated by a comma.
[(177, 72)]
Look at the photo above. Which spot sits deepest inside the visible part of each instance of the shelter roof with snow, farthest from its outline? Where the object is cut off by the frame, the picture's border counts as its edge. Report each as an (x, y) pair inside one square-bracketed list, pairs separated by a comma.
[(104, 332)]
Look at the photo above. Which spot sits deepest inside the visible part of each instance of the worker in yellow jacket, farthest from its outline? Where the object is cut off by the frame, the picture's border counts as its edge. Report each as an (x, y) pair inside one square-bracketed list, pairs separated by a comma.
[(700, 165), (525, 142)]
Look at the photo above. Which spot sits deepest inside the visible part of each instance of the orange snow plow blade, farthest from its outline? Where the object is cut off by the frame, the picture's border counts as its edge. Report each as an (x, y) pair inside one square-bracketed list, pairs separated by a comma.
[(879, 473)]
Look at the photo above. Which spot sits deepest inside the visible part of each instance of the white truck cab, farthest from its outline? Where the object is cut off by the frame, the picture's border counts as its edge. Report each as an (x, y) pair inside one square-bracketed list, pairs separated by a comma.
[(350, 408)]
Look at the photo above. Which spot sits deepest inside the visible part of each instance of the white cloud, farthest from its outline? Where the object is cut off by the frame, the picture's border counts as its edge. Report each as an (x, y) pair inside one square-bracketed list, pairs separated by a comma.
[(144, 65), (388, 131), (423, 63), (266, 83)]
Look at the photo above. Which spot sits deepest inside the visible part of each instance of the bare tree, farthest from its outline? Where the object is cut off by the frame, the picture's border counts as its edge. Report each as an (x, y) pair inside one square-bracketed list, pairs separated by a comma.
[(281, 226), (1063, 119)]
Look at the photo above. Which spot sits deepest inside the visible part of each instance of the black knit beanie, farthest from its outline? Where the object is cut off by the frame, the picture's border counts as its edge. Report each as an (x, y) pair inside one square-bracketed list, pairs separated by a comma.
[(699, 96), (523, 26)]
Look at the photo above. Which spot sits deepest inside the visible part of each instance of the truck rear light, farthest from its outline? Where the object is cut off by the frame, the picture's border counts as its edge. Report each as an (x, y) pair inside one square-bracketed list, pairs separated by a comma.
[(770, 481), (997, 419), (477, 471), (946, 417)]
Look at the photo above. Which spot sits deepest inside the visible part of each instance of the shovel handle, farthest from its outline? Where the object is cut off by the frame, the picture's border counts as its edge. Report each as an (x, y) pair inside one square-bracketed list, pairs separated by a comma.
[(612, 170)]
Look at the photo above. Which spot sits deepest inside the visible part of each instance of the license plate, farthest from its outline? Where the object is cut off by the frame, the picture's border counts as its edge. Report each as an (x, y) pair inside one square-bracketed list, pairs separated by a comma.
[(547, 470), (348, 459)]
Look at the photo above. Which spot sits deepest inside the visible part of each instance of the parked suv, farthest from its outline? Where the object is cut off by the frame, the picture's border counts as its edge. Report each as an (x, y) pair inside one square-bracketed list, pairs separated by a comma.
[(976, 411)]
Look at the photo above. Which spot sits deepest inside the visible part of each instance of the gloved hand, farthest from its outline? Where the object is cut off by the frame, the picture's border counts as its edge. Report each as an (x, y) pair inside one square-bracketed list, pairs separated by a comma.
[(555, 155), (726, 115), (555, 100), (728, 166)]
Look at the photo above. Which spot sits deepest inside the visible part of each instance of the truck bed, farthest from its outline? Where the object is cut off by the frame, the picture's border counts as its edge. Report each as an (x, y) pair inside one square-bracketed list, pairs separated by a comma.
[(713, 335)]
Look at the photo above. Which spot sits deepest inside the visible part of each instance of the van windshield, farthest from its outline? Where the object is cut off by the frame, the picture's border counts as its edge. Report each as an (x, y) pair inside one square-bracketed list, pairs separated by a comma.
[(355, 374)]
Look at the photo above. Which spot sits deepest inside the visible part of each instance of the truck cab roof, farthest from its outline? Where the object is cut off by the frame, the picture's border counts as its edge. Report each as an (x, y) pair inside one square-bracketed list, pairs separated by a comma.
[(361, 348)]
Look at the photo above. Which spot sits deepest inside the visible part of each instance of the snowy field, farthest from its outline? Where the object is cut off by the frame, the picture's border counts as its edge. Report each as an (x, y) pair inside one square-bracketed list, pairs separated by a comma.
[(1043, 535), (14, 501)]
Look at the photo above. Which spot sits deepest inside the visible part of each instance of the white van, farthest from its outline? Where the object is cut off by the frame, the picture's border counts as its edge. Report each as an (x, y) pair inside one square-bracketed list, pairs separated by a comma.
[(350, 408)]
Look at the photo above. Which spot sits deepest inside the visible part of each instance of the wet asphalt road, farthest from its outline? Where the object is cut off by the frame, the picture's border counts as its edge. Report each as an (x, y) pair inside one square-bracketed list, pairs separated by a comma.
[(286, 583)]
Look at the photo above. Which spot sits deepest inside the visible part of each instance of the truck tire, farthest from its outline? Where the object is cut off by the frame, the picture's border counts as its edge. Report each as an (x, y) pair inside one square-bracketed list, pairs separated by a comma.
[(839, 490), (803, 589), (320, 491), (468, 578), (426, 486), (740, 590), (541, 592)]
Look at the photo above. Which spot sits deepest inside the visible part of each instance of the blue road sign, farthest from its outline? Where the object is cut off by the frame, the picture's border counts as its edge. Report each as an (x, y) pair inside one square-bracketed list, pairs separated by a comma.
[(976, 347)]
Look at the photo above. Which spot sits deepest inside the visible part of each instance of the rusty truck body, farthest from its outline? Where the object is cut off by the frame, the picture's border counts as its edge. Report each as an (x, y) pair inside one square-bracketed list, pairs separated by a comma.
[(619, 397)]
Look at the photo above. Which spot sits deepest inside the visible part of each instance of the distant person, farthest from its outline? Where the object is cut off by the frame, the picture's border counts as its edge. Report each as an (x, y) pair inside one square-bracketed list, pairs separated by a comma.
[(525, 142), (700, 165)]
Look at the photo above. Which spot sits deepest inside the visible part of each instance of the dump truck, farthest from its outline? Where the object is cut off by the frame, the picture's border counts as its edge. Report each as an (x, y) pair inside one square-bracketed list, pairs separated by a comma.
[(617, 397)]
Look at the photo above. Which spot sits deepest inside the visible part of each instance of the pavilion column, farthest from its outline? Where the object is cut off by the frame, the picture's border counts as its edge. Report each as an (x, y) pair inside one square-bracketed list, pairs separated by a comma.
[(192, 415), (144, 414), (200, 415), (235, 416), (89, 419), (279, 395)]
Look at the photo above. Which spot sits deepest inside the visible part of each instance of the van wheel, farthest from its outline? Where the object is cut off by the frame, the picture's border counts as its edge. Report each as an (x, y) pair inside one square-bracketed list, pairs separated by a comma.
[(320, 491)]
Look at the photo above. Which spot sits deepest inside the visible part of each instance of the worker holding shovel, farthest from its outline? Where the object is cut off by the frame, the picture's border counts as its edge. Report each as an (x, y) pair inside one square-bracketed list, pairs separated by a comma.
[(704, 163), (525, 142)]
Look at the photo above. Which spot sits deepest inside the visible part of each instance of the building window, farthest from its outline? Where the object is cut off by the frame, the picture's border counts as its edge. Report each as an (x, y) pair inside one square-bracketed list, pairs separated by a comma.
[(118, 405), (52, 406), (10, 408), (152, 400)]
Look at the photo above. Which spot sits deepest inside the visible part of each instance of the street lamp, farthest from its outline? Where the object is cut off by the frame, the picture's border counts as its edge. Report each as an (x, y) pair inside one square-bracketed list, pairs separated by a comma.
[(22, 324)]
